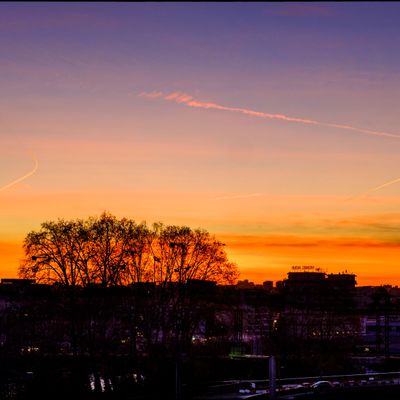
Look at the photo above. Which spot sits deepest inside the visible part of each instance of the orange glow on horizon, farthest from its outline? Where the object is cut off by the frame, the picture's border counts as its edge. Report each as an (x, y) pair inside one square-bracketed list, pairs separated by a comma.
[(274, 255), (283, 143), (265, 235), (270, 257), (11, 253)]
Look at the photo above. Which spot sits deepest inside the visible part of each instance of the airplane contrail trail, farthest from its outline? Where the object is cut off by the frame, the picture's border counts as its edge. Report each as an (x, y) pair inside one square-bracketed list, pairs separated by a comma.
[(374, 189), (30, 173), (388, 183), (183, 98)]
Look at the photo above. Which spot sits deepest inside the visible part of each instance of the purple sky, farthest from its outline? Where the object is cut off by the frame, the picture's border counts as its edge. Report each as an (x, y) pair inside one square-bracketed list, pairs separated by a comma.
[(71, 78)]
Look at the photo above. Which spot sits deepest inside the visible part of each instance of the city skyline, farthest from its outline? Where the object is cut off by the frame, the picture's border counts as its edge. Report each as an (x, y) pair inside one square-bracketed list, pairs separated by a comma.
[(272, 125)]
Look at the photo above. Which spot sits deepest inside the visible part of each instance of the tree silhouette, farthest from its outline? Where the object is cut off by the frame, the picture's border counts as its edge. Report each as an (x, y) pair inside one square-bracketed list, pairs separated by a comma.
[(157, 262), (109, 251), (57, 253)]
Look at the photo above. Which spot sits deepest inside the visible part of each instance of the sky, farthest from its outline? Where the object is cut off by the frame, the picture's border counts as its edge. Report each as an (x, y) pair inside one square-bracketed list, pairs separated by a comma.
[(274, 126)]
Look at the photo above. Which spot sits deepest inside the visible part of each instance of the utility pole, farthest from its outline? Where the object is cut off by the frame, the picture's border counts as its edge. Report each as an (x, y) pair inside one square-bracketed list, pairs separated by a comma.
[(272, 377)]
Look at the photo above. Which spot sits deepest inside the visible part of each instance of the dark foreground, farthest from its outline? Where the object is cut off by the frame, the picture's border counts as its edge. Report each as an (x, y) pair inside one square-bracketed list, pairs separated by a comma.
[(379, 392), (119, 378)]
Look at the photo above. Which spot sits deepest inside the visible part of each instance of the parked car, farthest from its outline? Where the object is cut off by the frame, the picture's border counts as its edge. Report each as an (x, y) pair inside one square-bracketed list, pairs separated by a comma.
[(321, 386), (247, 387)]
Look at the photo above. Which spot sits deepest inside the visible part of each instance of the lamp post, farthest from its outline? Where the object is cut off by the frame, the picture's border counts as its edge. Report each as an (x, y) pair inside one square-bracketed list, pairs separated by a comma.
[(45, 258), (272, 377), (36, 258), (178, 363), (181, 267), (156, 260)]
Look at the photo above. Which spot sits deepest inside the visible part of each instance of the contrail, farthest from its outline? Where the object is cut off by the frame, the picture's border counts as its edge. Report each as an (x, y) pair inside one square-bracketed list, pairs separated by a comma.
[(374, 189), (183, 98), (30, 173)]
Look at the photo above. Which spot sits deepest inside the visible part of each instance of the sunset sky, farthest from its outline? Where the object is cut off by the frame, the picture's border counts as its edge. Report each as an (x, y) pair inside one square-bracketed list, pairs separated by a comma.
[(275, 126)]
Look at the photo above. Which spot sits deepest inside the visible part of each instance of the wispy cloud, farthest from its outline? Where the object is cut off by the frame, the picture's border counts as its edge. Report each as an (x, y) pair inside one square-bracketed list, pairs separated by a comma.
[(239, 196), (30, 173), (259, 243), (190, 101)]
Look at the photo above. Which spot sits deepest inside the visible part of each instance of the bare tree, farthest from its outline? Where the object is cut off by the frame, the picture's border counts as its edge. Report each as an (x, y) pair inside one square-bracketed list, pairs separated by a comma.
[(158, 261), (110, 244), (111, 251), (57, 253), (139, 258), (183, 254)]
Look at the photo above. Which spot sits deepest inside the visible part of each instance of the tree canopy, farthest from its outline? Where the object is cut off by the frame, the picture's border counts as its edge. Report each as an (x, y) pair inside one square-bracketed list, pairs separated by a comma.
[(110, 251)]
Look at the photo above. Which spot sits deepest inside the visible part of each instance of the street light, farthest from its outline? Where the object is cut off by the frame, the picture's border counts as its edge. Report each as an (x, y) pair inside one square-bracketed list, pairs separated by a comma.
[(181, 268), (156, 260), (45, 258), (36, 258)]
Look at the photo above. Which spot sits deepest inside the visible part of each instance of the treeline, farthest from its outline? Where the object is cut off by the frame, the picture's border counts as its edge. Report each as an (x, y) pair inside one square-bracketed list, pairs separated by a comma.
[(109, 251)]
